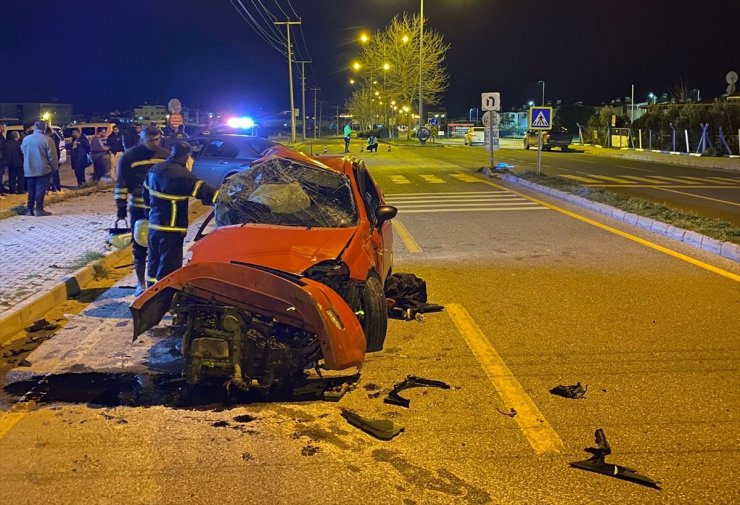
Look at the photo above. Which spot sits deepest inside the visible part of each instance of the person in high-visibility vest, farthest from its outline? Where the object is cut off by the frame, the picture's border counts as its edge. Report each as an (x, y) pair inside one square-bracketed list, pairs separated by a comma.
[(132, 169), (169, 185)]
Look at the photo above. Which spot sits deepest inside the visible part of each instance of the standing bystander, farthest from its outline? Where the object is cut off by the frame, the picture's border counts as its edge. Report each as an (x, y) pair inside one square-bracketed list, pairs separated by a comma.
[(115, 142), (347, 136), (55, 185), (14, 160), (100, 156), (40, 159), (80, 155), (3, 161)]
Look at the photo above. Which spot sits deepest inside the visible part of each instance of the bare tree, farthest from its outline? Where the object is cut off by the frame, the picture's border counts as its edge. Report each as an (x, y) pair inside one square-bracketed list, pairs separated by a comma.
[(390, 64)]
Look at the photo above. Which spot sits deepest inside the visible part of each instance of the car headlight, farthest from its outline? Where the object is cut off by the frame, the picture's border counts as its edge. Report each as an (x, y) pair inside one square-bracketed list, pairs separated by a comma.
[(330, 270)]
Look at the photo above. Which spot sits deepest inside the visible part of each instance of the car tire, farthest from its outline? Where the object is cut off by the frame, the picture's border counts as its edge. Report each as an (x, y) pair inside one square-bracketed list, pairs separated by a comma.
[(375, 319), (564, 149)]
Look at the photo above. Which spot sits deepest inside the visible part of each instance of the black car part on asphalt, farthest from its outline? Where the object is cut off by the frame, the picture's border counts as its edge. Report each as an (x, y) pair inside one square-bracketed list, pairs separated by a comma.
[(575, 392), (596, 463), (411, 381)]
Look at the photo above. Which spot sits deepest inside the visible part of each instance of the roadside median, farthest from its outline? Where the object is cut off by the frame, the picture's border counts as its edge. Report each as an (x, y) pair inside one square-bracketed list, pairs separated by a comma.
[(711, 235)]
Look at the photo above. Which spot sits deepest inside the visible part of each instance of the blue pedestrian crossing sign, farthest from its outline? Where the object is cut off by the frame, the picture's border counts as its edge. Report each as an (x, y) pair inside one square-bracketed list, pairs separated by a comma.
[(540, 118)]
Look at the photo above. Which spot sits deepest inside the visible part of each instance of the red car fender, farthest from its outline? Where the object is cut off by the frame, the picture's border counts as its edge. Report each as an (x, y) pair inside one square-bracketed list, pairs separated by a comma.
[(289, 299)]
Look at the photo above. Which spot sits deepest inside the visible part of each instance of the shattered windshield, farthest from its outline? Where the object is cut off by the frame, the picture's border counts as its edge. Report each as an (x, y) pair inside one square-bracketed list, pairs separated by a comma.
[(286, 192)]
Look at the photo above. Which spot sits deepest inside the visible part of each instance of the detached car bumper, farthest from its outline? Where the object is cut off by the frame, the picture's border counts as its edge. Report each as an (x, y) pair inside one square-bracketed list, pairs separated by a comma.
[(289, 299)]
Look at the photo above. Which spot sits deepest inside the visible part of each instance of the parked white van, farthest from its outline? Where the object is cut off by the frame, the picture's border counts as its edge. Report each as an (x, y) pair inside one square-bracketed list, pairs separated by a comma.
[(87, 129)]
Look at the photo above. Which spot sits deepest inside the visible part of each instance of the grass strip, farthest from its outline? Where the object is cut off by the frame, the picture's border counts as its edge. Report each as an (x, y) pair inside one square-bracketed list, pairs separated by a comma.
[(711, 227)]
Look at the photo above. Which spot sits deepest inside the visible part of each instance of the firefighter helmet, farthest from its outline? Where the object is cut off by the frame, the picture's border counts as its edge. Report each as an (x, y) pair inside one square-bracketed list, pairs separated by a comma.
[(141, 232)]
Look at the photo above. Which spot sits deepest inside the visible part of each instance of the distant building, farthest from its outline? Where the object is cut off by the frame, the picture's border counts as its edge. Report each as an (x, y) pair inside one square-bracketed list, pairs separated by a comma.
[(14, 112), (151, 114)]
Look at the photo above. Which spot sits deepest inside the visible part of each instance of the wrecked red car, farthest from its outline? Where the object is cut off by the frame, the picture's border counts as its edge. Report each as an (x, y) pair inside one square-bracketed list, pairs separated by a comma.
[(290, 277)]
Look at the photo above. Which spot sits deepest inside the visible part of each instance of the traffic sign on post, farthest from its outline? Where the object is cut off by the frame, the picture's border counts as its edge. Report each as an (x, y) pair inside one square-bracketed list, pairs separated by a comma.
[(487, 119), (490, 100), (491, 140), (540, 118)]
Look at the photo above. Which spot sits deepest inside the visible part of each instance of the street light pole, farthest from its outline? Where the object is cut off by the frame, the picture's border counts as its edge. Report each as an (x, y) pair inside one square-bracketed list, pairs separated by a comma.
[(421, 63), (543, 93), (290, 76)]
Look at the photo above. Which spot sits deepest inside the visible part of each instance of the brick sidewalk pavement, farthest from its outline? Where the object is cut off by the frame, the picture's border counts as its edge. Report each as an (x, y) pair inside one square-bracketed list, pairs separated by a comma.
[(37, 252)]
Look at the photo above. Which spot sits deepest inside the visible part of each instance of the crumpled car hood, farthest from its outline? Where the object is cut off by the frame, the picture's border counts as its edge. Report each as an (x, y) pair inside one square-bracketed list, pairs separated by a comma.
[(292, 300), (284, 248)]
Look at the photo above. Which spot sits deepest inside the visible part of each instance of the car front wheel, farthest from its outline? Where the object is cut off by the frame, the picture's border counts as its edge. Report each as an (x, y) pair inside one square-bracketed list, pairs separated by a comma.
[(375, 314)]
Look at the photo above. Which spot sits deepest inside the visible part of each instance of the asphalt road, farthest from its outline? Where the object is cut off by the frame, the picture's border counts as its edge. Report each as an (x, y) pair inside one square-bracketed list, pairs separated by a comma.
[(534, 296), (707, 192)]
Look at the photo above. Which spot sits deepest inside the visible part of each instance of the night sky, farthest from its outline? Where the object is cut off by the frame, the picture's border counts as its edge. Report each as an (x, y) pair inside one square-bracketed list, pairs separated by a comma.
[(101, 55)]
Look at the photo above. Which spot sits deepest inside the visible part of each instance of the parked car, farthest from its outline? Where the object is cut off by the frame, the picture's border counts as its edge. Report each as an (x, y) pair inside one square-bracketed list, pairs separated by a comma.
[(87, 129), (218, 157), (553, 138), (57, 132), (291, 276), (475, 136)]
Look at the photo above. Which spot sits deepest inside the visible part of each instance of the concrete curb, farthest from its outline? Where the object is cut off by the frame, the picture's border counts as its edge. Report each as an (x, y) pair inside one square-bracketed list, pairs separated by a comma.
[(726, 250), (31, 309)]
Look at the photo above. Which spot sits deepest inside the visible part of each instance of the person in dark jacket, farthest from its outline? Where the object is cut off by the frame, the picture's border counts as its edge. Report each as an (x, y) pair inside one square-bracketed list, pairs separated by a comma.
[(55, 186), (132, 170), (3, 162), (80, 158), (170, 184), (115, 143), (100, 154), (14, 160), (131, 137)]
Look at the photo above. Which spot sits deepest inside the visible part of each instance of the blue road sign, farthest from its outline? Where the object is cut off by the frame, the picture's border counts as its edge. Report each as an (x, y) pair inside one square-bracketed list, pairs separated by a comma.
[(540, 118)]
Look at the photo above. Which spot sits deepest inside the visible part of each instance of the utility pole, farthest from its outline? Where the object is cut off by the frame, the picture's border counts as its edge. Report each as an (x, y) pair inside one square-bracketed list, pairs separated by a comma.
[(290, 76), (337, 106), (303, 95), (314, 110), (321, 112)]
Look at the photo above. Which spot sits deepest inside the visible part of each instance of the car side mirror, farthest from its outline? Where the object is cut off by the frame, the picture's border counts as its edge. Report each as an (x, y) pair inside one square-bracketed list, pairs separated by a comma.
[(385, 213)]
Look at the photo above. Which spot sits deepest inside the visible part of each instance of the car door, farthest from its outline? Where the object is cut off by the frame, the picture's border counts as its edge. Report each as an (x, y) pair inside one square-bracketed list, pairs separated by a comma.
[(381, 238), (216, 160)]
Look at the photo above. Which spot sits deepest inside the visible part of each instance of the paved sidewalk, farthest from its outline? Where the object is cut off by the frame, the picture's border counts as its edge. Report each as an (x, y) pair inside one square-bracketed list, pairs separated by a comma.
[(37, 252)]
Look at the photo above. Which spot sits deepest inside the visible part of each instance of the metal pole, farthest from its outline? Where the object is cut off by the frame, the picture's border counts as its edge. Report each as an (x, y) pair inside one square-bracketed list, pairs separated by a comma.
[(490, 135), (337, 106), (632, 107), (686, 134), (303, 96), (421, 61), (539, 151), (321, 111), (290, 76), (640, 132), (314, 111), (543, 93)]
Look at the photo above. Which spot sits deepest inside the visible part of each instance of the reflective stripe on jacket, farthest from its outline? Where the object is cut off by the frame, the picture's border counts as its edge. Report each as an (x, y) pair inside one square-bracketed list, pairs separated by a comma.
[(169, 185), (132, 169)]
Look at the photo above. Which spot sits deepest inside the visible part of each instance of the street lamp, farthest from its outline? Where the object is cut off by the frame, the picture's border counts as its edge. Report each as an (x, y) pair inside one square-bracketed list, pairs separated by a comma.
[(543, 92), (652, 98), (364, 38), (421, 56)]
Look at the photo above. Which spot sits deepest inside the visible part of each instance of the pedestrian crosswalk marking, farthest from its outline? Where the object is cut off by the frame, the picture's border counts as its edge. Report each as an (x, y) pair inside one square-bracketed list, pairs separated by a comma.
[(612, 179), (481, 201), (669, 179), (726, 179), (465, 178), (399, 179), (639, 179), (432, 179), (578, 178), (693, 180)]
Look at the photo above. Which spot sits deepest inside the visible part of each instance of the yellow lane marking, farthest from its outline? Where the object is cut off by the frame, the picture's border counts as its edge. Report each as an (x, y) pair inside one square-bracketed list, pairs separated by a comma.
[(12, 416), (399, 179), (641, 179), (540, 435), (578, 178), (476, 209), (612, 179), (629, 236), (638, 169), (659, 185), (700, 196), (725, 179), (408, 240), (432, 179)]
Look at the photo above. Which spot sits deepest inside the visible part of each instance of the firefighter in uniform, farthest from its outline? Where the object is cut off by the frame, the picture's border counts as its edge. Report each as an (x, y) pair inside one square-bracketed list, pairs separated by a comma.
[(169, 185), (132, 169)]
